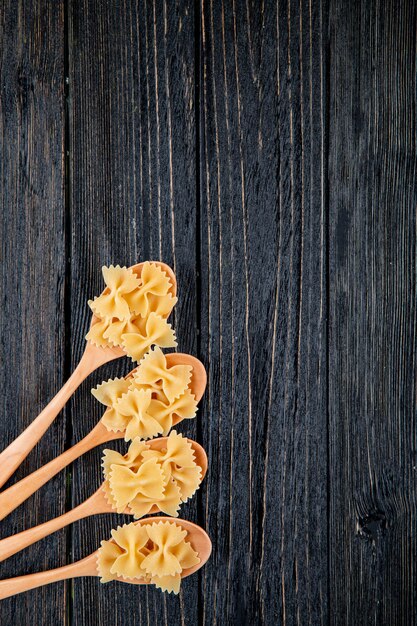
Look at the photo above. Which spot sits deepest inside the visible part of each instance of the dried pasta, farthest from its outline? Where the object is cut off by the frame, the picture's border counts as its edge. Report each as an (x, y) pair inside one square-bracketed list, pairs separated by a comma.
[(178, 464), (133, 458), (184, 407), (139, 405), (120, 283), (134, 409), (144, 477), (156, 552), (148, 483), (154, 330), (108, 393), (154, 288), (155, 373), (131, 311)]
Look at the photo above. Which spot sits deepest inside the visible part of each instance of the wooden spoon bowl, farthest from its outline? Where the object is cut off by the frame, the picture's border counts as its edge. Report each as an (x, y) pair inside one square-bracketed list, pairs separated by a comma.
[(196, 536), (96, 504), (93, 357), (12, 497)]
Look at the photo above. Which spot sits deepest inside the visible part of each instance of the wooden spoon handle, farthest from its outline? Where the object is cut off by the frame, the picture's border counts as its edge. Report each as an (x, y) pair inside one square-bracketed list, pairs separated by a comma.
[(13, 586), (12, 497), (17, 451), (96, 504)]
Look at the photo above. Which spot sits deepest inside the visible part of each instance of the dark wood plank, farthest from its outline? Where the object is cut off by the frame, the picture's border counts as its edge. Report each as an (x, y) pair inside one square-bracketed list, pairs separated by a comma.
[(372, 192), (132, 147), (263, 261), (32, 275)]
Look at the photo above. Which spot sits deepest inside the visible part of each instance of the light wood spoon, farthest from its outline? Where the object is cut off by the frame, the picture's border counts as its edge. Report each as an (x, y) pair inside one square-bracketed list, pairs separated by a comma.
[(93, 357), (197, 537), (19, 492), (94, 505)]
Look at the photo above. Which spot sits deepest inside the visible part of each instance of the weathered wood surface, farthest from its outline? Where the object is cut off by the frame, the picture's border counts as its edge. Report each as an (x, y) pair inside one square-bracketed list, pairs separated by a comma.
[(267, 152), (32, 274), (372, 313)]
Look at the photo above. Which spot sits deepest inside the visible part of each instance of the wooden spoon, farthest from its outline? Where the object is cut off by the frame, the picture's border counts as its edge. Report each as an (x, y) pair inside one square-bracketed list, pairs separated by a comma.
[(94, 505), (18, 493), (93, 357), (197, 537)]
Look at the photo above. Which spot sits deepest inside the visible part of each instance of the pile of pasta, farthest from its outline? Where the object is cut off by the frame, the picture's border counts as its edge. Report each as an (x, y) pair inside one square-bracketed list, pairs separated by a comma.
[(132, 310), (144, 478), (156, 552), (144, 404)]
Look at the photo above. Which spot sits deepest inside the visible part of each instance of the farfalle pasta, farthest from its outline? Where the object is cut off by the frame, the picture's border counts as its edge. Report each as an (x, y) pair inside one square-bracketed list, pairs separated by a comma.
[(131, 312), (149, 402), (155, 373), (156, 552), (144, 477), (178, 464), (152, 330), (113, 303)]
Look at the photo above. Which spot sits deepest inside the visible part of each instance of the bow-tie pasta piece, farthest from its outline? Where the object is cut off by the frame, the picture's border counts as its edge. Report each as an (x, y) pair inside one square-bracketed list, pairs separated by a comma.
[(134, 407), (108, 393), (114, 331), (154, 330), (156, 552), (97, 334), (154, 372), (169, 504), (147, 483), (120, 282), (169, 555), (132, 459), (153, 292), (123, 554), (185, 407), (178, 464)]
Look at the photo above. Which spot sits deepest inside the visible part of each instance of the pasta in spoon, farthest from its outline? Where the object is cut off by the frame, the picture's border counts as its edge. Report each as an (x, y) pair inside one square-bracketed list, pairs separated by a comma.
[(102, 433), (172, 551), (125, 287), (152, 477)]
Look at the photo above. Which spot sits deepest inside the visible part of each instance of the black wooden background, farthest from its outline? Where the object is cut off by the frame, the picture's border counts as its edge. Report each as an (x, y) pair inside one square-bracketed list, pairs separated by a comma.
[(267, 151)]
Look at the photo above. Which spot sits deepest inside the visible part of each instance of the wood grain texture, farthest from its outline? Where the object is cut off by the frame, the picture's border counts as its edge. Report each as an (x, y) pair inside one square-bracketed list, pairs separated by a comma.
[(133, 197), (263, 261), (267, 151), (372, 298), (32, 273)]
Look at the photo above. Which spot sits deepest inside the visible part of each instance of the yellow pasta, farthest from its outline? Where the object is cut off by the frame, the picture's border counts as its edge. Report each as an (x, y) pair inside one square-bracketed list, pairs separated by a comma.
[(123, 554), (134, 409), (155, 373), (108, 393), (113, 303), (154, 289), (131, 312), (148, 483), (154, 330), (184, 407), (178, 464), (97, 332), (157, 553), (132, 459), (168, 504), (145, 477), (169, 555)]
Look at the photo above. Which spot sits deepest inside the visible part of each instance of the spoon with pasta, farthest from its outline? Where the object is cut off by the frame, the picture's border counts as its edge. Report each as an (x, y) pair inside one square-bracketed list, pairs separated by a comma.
[(154, 550), (152, 477), (128, 317), (154, 397)]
